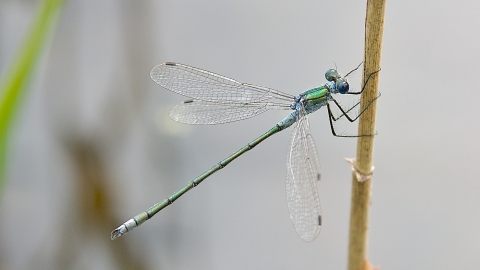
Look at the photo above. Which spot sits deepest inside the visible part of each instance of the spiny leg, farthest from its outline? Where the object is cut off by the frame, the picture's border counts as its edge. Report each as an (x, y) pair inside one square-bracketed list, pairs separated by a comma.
[(353, 70), (332, 117), (345, 113), (363, 88)]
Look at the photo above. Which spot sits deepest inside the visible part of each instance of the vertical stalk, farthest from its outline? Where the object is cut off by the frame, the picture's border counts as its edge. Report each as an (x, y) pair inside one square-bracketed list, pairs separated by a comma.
[(361, 190)]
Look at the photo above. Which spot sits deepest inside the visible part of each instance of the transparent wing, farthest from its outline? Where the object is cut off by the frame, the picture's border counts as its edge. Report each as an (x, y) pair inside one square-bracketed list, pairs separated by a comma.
[(201, 112), (208, 86), (303, 175)]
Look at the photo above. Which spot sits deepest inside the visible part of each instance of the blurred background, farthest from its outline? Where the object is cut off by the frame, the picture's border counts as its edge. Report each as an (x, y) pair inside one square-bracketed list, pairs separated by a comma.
[(92, 144)]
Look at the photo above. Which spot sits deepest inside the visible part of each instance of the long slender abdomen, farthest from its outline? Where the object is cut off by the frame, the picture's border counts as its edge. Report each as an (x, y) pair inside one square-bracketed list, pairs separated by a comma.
[(144, 216)]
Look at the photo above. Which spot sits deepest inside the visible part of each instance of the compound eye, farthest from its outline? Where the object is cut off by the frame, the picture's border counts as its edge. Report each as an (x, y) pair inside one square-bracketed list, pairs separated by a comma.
[(331, 75), (342, 87)]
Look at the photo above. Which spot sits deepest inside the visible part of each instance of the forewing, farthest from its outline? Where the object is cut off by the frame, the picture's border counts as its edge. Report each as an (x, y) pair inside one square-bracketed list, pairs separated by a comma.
[(201, 112), (208, 86), (303, 176)]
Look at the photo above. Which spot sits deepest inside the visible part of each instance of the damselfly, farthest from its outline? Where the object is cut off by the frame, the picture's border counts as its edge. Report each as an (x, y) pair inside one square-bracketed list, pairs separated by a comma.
[(216, 99)]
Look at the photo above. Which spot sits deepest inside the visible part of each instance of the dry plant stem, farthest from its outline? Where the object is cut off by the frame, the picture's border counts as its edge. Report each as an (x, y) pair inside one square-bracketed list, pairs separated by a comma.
[(361, 191)]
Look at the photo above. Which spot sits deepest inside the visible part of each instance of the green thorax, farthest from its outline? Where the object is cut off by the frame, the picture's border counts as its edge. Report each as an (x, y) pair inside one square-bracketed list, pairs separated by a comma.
[(316, 97)]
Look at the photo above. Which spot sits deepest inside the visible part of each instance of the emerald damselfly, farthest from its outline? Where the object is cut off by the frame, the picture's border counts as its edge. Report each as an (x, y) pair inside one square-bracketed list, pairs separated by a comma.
[(216, 99)]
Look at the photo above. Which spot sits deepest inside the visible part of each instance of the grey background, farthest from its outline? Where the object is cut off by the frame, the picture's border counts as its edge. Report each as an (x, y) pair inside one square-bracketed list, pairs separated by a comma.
[(93, 91)]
